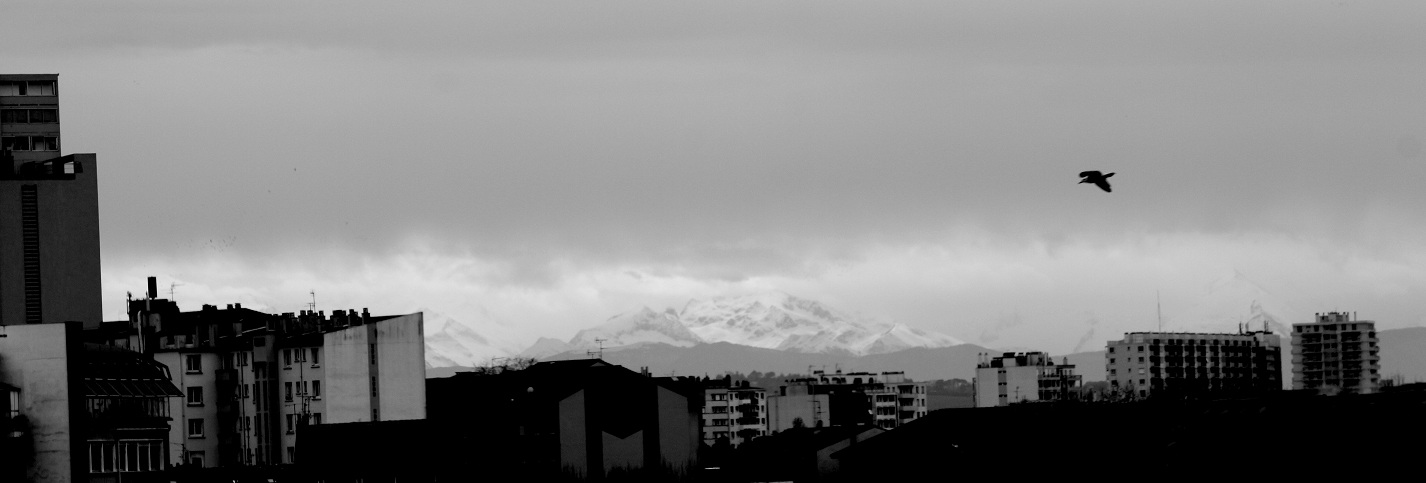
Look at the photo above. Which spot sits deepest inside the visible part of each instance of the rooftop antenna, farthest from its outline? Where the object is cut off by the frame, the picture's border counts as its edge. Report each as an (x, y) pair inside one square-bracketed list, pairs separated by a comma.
[(600, 353), (313, 306), (171, 285), (1160, 305)]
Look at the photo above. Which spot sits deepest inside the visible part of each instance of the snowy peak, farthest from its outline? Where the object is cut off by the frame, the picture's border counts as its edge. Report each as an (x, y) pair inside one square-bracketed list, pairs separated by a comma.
[(901, 337), (776, 320), (452, 343), (641, 326)]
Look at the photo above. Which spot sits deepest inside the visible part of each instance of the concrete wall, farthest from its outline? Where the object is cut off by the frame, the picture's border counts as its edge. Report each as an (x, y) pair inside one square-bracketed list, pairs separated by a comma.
[(1022, 383), (348, 383), (401, 375), (400, 371), (69, 248), (782, 410), (574, 451), (622, 453), (678, 431), (37, 359)]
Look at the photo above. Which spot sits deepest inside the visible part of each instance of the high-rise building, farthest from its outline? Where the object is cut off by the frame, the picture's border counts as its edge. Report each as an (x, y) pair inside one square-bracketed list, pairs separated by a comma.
[(1023, 377), (49, 212), (1180, 364), (1337, 352), (29, 116)]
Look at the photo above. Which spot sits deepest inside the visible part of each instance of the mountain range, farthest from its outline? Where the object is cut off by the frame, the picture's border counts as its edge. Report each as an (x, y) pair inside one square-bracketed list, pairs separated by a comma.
[(772, 320), (779, 332)]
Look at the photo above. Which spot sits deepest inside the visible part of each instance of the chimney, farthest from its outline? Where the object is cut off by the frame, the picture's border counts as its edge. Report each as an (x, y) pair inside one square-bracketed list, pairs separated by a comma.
[(365, 316), (153, 287)]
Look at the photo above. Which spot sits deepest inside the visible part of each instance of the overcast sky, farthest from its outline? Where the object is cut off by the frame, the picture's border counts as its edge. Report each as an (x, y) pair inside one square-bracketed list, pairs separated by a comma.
[(532, 168)]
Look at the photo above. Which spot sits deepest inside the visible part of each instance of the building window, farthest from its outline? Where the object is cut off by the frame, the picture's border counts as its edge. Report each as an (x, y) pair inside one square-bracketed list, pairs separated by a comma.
[(290, 429), (287, 386), (287, 358), (316, 357), (372, 354), (291, 454), (27, 88), (195, 458), (195, 428), (125, 456), (30, 143), (316, 418), (195, 396), (193, 363), (316, 389), (29, 116), (373, 386)]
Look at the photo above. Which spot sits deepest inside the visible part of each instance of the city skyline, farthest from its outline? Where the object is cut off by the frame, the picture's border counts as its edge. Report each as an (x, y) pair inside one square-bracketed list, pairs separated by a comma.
[(531, 171)]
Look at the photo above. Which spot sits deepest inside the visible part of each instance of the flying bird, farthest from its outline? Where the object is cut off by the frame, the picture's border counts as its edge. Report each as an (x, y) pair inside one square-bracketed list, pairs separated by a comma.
[(1100, 180)]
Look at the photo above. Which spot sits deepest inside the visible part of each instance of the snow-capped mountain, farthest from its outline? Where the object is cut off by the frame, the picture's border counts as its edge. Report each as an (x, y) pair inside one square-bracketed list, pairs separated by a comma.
[(780, 321), (452, 343), (1234, 299), (640, 326), (769, 320)]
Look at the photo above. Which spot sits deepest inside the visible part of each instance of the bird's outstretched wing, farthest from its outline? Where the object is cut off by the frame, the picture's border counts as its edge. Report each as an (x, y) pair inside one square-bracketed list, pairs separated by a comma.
[(1103, 184), (1086, 174)]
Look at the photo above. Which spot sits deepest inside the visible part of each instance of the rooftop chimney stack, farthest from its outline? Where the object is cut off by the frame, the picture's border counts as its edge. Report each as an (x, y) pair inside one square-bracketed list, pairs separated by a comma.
[(153, 287)]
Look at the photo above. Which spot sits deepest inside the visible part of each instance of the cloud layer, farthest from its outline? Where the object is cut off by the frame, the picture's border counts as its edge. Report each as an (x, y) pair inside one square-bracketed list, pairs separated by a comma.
[(545, 165)]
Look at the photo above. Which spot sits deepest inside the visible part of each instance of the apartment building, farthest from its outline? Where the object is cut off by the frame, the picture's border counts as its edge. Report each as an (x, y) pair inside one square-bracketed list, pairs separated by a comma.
[(887, 400), (71, 411), (1193, 365), (250, 380), (1336, 352), (733, 412), (1017, 377)]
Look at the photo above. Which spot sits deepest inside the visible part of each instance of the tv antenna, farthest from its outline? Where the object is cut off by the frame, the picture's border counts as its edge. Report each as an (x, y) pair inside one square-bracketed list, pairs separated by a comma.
[(1158, 302), (599, 354), (171, 286), (312, 307)]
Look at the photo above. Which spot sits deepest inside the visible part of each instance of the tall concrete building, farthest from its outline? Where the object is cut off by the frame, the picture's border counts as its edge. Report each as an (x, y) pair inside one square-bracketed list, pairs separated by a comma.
[(29, 116), (49, 212), (251, 380), (1023, 377), (1194, 365), (1337, 352)]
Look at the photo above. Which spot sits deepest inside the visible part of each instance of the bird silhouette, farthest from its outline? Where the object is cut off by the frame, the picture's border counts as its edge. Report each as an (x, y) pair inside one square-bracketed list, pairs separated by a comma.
[(1100, 180)]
